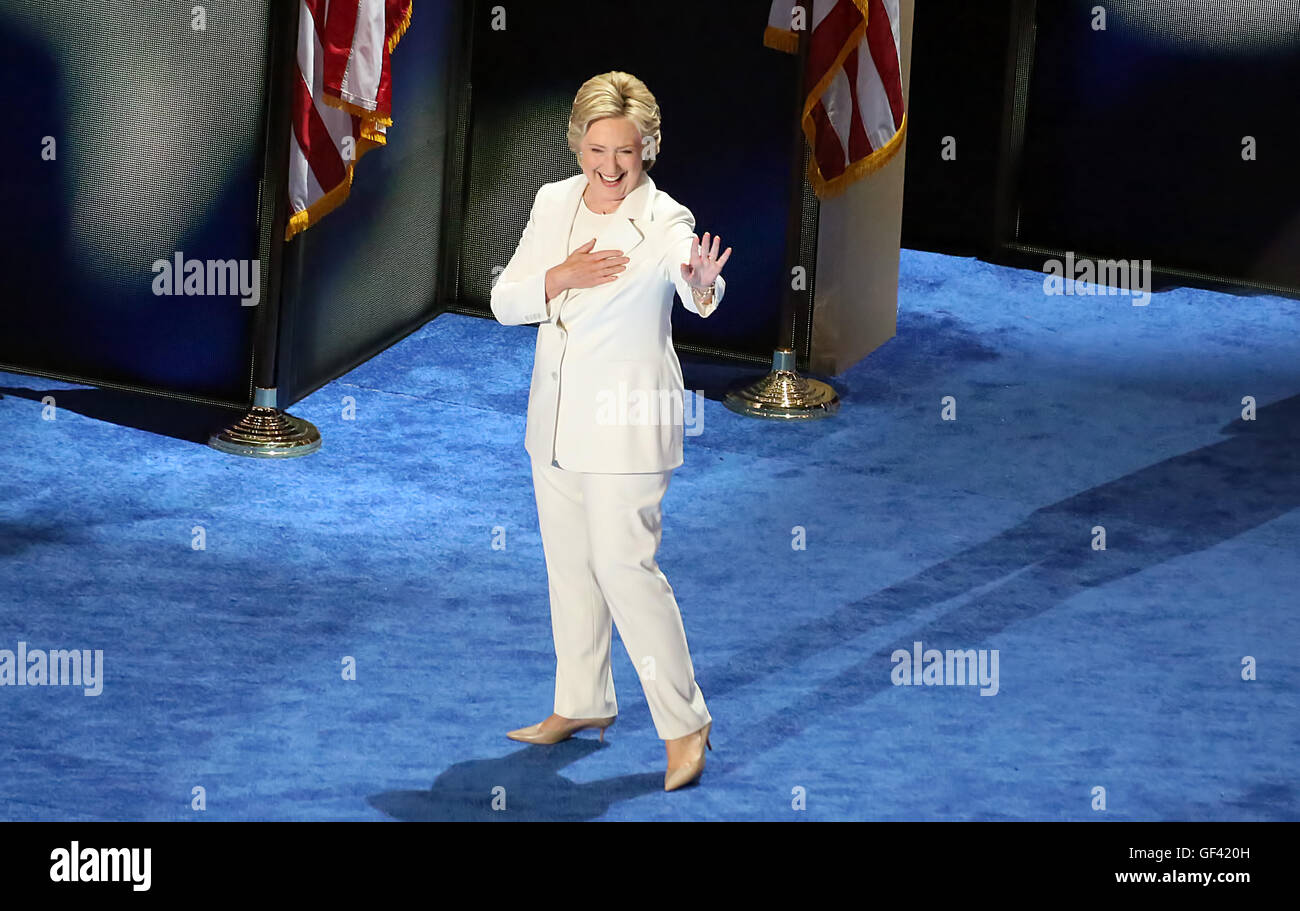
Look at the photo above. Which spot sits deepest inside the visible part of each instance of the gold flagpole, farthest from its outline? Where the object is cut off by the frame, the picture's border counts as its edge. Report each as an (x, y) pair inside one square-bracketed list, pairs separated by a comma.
[(783, 393), (265, 431)]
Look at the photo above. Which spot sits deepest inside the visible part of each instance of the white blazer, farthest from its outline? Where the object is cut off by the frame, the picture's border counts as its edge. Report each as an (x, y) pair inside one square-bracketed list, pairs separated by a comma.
[(607, 390)]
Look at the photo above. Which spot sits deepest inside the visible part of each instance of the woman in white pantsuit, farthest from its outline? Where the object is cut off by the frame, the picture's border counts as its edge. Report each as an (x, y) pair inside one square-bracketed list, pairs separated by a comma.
[(601, 261)]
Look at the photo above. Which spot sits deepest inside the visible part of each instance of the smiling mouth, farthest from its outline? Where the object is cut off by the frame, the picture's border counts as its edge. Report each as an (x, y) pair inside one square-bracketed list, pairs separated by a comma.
[(609, 183)]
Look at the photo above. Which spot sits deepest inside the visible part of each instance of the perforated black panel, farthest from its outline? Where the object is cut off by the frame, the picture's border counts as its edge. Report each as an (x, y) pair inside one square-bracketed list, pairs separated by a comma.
[(1166, 132), (132, 134), (505, 170)]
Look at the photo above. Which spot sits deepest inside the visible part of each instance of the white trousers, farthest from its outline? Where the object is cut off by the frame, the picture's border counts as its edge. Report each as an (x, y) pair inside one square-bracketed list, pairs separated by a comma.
[(600, 534)]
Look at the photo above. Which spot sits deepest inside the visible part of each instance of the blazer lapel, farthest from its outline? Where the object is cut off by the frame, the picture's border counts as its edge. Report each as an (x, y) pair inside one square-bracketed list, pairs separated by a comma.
[(621, 233)]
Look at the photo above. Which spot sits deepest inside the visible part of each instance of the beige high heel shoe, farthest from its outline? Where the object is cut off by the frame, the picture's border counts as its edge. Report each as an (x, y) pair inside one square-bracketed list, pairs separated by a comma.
[(534, 733), (685, 774)]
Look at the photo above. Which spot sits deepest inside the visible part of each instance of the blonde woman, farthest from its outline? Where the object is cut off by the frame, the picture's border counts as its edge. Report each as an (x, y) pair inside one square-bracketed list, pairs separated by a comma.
[(603, 257)]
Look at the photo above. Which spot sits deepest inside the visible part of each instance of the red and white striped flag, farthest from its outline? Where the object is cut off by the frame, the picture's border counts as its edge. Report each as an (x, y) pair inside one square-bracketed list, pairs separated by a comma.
[(342, 102), (855, 115)]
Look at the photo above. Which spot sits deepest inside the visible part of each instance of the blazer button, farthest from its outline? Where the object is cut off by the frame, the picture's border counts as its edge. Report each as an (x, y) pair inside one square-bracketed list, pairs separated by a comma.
[(554, 375)]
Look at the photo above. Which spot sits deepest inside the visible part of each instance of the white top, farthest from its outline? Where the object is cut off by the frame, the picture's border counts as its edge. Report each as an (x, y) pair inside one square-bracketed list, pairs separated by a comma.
[(587, 224)]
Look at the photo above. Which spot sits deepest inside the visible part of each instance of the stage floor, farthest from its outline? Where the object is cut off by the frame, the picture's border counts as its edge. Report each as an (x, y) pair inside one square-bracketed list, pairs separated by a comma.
[(1118, 669)]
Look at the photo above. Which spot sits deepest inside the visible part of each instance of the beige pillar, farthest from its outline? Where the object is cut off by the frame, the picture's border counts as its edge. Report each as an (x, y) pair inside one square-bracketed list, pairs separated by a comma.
[(856, 306)]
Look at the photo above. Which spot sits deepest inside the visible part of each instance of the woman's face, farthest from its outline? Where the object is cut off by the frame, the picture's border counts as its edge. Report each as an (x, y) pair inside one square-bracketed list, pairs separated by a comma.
[(611, 148)]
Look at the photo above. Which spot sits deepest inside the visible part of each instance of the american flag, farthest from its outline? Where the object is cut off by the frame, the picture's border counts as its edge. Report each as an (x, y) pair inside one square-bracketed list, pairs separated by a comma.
[(854, 116), (342, 101)]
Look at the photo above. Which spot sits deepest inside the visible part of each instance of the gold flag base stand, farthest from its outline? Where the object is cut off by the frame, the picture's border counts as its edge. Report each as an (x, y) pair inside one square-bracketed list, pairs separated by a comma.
[(784, 394), (265, 432)]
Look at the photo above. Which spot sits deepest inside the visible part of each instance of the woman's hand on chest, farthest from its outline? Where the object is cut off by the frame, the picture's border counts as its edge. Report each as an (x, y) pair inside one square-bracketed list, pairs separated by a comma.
[(585, 268)]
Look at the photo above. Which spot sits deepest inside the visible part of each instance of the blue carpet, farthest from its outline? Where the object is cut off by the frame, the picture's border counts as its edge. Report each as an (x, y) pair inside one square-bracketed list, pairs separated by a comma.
[(1119, 669)]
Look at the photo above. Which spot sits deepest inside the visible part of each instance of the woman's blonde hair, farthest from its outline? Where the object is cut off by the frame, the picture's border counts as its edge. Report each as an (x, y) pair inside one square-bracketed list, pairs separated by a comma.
[(616, 94)]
